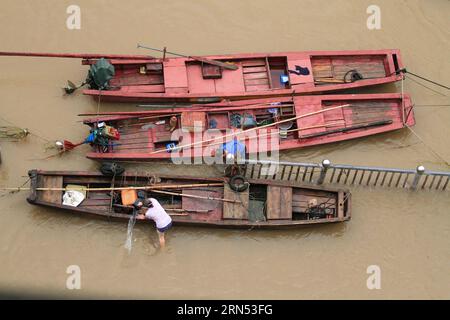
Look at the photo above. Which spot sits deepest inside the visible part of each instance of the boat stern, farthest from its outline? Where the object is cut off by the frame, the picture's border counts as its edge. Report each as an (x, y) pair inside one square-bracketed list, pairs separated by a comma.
[(347, 203), (33, 175)]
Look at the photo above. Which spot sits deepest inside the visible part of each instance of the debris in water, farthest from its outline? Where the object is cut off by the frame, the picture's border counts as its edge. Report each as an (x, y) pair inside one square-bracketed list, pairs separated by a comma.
[(9, 132)]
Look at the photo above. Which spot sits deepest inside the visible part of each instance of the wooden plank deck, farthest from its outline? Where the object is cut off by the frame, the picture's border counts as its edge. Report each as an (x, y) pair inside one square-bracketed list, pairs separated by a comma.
[(51, 196), (279, 202), (235, 210)]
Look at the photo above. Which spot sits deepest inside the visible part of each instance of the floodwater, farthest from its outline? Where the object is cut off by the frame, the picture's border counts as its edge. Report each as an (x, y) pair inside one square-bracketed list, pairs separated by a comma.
[(406, 234)]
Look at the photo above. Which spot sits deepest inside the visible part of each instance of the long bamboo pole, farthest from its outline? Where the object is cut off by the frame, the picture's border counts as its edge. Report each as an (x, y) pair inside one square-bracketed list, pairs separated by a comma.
[(196, 197), (206, 107), (140, 117), (277, 133), (115, 189), (170, 214), (329, 81), (135, 143), (253, 129), (140, 141), (76, 55), (224, 65), (166, 209), (331, 124)]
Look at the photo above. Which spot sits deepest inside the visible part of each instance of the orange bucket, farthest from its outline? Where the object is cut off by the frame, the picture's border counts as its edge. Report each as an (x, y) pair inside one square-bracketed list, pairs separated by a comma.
[(128, 197)]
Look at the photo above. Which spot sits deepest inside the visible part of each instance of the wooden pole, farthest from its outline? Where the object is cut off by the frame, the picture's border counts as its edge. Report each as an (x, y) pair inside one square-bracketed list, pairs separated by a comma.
[(194, 107), (358, 125), (329, 81), (254, 129), (278, 132), (195, 197), (118, 188), (170, 214), (76, 55), (224, 65), (331, 124)]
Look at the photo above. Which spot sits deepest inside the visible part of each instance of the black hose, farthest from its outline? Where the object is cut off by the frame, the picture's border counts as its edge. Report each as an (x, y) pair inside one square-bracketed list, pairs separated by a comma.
[(355, 76)]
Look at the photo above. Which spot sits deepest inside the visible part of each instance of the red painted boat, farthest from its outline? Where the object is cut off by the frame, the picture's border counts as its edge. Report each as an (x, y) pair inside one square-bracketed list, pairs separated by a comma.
[(192, 201), (140, 78), (264, 124)]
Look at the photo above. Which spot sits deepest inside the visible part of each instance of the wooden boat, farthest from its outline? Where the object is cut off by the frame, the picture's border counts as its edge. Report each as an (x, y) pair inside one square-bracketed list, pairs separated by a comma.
[(264, 204), (291, 122), (141, 78)]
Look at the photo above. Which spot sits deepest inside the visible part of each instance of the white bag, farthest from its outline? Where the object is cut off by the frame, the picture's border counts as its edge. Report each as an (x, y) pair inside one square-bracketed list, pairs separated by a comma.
[(73, 198)]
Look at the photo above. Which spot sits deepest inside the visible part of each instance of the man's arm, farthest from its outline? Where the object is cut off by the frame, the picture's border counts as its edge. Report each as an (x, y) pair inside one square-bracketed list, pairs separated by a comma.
[(140, 216)]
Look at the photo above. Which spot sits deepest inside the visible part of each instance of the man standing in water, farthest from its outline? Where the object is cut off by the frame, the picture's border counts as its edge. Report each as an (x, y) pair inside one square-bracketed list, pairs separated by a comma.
[(156, 213)]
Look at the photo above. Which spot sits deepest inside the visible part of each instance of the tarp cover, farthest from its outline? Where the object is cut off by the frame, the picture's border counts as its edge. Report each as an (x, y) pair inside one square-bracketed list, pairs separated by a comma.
[(99, 74), (234, 147)]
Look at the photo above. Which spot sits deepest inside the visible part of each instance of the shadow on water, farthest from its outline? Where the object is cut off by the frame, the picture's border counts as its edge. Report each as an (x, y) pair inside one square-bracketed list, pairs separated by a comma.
[(398, 139), (55, 218)]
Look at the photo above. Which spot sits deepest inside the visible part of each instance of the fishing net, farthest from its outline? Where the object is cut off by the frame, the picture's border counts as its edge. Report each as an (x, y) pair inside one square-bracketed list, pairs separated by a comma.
[(15, 133)]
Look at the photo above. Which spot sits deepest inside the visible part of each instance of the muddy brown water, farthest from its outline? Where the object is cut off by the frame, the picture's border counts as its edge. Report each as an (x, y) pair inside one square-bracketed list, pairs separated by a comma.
[(406, 234)]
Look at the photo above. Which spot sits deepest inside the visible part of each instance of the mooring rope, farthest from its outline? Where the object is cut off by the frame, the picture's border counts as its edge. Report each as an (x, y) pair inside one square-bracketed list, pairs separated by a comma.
[(427, 146), (15, 191), (431, 105), (404, 71), (426, 87), (98, 102), (428, 80)]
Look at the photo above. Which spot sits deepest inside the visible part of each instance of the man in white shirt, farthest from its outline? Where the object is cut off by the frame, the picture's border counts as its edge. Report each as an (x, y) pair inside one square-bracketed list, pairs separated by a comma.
[(157, 213)]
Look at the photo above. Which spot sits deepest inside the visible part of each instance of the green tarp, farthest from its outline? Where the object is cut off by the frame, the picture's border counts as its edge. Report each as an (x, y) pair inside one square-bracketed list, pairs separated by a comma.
[(99, 74)]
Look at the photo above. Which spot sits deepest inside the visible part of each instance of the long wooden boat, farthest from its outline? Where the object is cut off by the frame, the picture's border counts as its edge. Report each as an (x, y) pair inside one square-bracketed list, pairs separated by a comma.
[(302, 121), (264, 204), (141, 78)]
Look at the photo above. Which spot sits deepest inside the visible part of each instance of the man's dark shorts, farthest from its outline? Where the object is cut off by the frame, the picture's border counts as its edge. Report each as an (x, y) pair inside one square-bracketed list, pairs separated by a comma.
[(164, 229)]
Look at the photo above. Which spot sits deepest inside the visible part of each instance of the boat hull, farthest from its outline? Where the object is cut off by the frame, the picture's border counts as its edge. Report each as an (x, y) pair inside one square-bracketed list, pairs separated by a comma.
[(257, 76), (217, 217), (317, 120)]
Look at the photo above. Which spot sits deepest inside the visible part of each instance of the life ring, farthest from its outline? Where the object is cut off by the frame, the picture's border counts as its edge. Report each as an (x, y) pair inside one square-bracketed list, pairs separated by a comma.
[(238, 183)]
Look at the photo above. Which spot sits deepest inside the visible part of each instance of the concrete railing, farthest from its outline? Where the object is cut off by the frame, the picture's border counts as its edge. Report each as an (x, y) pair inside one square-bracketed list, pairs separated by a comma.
[(328, 173)]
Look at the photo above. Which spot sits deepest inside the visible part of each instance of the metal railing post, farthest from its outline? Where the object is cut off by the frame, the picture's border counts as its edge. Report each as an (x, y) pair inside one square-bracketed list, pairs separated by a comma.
[(419, 172), (323, 170)]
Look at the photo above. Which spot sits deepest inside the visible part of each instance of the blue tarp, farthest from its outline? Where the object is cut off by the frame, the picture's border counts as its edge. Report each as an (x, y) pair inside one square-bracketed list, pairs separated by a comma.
[(234, 147)]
